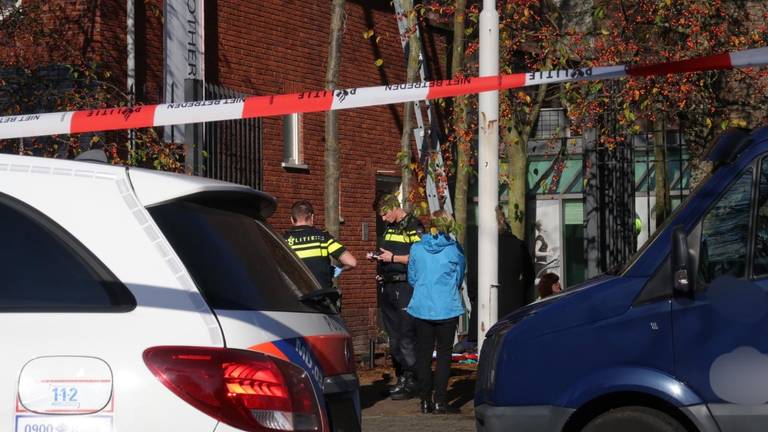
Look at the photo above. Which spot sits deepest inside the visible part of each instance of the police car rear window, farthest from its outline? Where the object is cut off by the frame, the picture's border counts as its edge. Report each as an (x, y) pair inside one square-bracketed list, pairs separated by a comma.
[(238, 262)]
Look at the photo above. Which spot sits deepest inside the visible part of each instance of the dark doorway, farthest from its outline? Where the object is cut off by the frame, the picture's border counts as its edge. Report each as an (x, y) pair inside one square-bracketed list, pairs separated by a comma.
[(385, 184)]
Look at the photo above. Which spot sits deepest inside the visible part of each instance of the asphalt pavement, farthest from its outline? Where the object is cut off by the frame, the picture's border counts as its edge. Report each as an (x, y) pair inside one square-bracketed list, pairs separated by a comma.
[(381, 414)]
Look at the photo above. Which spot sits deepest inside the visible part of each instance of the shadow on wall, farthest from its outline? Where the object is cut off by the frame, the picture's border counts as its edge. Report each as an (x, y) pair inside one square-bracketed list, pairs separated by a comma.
[(368, 8)]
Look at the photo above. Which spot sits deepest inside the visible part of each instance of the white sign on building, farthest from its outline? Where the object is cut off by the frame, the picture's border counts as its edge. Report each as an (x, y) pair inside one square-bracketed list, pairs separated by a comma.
[(184, 56), (546, 239)]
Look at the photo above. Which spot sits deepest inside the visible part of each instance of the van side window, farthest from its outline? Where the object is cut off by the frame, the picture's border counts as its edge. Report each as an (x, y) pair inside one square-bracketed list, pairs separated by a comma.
[(760, 258), (43, 268), (724, 233)]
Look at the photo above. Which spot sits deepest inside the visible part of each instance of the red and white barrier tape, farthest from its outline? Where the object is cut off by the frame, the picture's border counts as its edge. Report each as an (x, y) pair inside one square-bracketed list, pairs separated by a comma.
[(313, 101)]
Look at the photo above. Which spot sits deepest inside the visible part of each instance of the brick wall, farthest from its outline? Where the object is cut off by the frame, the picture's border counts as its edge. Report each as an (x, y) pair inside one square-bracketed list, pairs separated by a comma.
[(149, 51), (72, 32), (110, 41), (47, 32)]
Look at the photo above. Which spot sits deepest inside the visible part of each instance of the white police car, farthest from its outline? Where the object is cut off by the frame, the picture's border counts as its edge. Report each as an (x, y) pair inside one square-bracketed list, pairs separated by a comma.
[(136, 300)]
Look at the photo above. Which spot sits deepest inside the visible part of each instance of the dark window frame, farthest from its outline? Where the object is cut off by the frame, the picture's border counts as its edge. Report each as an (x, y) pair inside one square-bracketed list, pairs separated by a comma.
[(121, 297)]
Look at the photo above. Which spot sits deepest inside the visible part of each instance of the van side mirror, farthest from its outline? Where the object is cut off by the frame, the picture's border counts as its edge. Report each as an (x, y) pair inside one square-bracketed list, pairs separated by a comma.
[(682, 277)]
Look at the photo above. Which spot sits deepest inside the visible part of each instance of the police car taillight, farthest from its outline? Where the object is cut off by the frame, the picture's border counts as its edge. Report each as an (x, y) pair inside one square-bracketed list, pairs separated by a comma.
[(244, 389)]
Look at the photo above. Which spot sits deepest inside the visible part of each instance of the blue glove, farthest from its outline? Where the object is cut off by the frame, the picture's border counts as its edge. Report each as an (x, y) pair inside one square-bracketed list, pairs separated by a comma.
[(337, 271)]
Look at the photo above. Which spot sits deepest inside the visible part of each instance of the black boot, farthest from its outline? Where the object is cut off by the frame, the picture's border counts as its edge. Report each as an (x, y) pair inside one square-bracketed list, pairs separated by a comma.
[(406, 390), (399, 384), (426, 406), (444, 408)]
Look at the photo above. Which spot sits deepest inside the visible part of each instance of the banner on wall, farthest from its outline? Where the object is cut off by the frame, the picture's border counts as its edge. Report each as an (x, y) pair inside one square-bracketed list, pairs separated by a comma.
[(183, 53), (546, 238)]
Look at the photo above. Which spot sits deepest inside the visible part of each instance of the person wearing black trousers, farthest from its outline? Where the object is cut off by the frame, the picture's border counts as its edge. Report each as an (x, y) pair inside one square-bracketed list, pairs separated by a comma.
[(403, 231), (435, 271)]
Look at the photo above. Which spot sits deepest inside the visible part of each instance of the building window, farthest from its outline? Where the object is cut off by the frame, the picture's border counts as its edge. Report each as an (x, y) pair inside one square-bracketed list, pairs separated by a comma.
[(293, 157), (8, 6), (553, 135), (552, 124)]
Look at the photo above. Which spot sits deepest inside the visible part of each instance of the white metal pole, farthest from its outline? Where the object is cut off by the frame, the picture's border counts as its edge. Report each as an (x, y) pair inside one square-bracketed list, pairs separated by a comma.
[(130, 79), (130, 21), (488, 175)]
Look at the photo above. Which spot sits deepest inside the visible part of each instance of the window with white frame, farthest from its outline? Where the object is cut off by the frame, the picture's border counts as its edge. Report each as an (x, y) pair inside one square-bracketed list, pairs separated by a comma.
[(293, 152)]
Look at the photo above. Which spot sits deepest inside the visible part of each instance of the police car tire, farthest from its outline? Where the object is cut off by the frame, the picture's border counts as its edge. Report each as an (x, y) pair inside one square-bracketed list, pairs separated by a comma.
[(633, 419)]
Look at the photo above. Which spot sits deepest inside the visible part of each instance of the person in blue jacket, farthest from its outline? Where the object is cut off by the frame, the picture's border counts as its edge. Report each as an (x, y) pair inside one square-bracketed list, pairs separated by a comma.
[(435, 271)]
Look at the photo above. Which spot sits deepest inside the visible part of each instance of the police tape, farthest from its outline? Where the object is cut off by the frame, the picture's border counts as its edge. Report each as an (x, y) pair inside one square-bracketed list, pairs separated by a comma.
[(97, 120)]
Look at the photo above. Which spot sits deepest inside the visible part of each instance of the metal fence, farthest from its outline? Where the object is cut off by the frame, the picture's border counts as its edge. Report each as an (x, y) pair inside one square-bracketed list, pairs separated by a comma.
[(621, 187), (609, 204), (232, 150)]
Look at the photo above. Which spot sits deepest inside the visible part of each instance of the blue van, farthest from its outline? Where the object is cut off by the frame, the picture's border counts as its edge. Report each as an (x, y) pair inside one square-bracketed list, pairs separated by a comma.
[(675, 341)]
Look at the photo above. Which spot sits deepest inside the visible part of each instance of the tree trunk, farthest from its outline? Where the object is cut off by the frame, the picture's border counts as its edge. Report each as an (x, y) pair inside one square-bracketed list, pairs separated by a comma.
[(517, 162), (515, 139), (460, 124), (663, 201), (332, 154), (411, 76)]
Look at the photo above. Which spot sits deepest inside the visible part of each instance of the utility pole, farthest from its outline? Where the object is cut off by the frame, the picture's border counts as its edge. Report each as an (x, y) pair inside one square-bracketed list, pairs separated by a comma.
[(488, 176)]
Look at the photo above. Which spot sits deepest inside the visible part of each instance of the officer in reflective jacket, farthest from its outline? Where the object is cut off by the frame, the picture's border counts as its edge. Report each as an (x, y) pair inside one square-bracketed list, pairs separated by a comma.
[(394, 248), (315, 247)]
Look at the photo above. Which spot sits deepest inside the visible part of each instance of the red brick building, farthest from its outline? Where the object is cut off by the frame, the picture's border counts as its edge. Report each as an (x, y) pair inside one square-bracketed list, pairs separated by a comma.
[(270, 47)]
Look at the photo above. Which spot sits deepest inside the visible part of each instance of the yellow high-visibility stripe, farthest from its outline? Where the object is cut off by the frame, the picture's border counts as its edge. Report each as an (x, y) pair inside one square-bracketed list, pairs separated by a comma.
[(296, 246), (311, 253), (333, 247), (409, 237), (396, 238)]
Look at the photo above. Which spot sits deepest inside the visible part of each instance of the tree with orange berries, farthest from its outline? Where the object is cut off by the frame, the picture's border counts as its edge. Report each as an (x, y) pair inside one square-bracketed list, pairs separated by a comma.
[(77, 75), (699, 104), (542, 35)]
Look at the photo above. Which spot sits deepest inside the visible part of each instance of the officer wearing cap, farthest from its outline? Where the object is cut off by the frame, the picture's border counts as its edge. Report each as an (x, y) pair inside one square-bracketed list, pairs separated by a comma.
[(315, 247), (394, 248)]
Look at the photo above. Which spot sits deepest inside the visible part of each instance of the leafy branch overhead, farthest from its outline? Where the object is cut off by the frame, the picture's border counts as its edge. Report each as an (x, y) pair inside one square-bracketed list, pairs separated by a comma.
[(78, 77), (545, 35)]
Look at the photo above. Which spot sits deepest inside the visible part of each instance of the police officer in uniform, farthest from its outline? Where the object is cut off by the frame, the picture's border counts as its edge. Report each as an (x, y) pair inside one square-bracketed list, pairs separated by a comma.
[(315, 247), (394, 248)]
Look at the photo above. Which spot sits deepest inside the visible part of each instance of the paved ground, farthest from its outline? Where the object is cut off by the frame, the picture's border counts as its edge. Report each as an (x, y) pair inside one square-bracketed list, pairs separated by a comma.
[(380, 414)]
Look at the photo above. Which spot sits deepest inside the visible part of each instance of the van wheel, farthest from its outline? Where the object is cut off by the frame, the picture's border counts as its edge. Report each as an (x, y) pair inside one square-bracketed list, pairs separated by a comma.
[(633, 419)]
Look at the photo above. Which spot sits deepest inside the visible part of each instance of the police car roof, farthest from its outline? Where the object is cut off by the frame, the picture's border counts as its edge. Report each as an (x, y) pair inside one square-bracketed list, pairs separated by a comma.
[(154, 187)]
